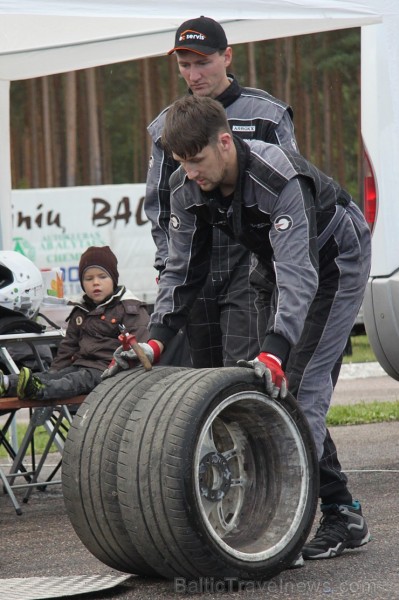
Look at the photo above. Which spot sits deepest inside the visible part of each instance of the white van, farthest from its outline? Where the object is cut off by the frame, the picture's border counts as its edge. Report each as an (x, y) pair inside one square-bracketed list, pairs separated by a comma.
[(380, 131)]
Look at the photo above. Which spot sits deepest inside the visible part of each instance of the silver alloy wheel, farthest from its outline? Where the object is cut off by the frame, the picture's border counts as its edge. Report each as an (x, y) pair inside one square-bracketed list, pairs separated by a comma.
[(252, 481)]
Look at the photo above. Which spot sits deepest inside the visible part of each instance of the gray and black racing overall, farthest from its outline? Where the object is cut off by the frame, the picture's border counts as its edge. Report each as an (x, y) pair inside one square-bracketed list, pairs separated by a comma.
[(311, 238), (222, 326)]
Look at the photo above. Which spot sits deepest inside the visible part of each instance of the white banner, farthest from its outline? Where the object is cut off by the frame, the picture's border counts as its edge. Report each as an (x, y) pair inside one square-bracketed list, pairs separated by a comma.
[(54, 226)]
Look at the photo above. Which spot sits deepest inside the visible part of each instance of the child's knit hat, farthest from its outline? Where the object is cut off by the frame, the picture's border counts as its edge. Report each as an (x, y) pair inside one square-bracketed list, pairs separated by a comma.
[(101, 257)]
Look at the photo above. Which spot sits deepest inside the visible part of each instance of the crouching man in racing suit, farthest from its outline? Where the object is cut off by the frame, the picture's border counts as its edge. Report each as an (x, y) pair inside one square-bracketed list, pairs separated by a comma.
[(305, 230)]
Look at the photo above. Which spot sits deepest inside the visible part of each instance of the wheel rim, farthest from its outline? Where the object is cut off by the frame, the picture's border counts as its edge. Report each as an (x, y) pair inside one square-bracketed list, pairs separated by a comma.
[(252, 476)]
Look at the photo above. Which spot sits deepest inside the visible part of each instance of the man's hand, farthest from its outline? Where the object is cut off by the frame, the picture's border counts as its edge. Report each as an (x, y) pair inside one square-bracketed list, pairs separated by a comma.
[(126, 359), (268, 367)]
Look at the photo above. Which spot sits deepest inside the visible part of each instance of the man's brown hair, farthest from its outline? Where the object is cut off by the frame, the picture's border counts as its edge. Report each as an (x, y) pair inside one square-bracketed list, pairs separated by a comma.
[(193, 122)]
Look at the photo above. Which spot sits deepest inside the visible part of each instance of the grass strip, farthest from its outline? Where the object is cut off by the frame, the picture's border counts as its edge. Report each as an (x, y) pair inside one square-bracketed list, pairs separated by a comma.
[(363, 413), (351, 414), (41, 439), (361, 350)]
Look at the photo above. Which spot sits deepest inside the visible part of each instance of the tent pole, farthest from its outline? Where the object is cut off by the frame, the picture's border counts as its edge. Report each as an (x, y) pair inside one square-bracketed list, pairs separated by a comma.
[(5, 168)]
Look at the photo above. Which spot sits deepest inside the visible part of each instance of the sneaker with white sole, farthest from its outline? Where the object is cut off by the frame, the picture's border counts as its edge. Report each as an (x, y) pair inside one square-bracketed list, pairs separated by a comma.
[(341, 527), (298, 562)]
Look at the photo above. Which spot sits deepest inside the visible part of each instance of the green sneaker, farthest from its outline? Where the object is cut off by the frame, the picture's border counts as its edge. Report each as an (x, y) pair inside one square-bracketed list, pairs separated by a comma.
[(3, 386), (28, 386)]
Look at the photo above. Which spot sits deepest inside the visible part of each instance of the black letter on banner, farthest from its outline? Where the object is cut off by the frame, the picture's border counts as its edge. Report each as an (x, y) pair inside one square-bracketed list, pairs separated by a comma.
[(123, 211), (101, 213)]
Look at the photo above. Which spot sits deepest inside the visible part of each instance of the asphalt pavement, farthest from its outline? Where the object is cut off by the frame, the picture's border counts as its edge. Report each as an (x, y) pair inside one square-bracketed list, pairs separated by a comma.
[(40, 547), (364, 382)]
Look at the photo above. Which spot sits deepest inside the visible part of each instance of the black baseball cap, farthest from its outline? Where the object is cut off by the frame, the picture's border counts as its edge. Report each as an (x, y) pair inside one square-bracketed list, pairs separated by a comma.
[(203, 36)]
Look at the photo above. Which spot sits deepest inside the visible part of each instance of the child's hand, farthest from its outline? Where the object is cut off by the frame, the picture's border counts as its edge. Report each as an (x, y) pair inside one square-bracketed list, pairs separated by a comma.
[(117, 364)]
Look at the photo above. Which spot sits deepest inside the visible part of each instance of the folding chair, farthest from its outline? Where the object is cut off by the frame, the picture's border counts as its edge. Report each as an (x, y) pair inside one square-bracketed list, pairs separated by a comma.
[(38, 415)]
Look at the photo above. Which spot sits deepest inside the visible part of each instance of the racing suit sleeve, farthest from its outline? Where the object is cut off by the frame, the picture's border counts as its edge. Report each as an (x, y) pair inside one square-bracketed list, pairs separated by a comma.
[(157, 201), (285, 134), (293, 237)]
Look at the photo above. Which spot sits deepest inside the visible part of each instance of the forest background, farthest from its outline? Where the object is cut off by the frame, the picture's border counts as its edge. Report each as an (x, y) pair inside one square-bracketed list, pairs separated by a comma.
[(89, 127)]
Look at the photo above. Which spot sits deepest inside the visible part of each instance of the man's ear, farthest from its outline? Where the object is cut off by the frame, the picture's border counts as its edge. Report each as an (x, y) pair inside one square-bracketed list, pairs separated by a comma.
[(225, 140), (228, 56)]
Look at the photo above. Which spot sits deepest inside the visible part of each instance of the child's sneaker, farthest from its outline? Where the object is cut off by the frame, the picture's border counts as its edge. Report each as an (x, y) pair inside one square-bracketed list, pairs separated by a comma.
[(341, 527), (29, 386)]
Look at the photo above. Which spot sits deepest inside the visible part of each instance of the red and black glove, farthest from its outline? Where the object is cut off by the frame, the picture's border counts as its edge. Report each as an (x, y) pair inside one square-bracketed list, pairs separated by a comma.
[(268, 367), (126, 359)]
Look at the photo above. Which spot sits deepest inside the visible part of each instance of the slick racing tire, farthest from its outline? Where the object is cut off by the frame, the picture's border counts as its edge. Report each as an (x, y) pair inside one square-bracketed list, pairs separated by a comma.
[(215, 478), (89, 468)]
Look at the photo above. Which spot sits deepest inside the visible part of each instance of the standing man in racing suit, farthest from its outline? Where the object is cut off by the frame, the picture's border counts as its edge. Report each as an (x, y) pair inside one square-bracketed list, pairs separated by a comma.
[(222, 326), (301, 226)]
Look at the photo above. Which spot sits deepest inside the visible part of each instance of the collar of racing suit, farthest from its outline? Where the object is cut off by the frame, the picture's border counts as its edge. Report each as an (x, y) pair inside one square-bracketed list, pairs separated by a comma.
[(243, 158), (230, 94)]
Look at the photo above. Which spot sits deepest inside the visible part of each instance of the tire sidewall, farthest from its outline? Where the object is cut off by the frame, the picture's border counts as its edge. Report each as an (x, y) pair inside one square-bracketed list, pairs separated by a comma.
[(246, 381)]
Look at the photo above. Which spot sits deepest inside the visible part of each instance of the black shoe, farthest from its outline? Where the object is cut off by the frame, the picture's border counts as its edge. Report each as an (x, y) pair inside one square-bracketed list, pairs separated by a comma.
[(340, 527), (29, 386)]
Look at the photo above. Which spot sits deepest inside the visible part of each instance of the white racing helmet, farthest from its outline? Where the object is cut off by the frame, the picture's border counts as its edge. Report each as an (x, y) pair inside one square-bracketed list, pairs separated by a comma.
[(21, 284)]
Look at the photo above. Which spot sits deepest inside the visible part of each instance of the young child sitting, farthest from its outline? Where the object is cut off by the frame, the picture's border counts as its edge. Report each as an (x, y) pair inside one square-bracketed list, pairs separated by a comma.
[(91, 336)]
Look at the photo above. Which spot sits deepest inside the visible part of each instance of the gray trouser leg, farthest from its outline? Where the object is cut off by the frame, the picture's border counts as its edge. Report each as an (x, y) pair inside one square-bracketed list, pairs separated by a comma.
[(71, 381), (344, 269)]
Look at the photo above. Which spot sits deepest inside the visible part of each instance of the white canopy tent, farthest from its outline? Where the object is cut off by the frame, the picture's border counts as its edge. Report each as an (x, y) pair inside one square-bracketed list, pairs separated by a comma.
[(44, 37)]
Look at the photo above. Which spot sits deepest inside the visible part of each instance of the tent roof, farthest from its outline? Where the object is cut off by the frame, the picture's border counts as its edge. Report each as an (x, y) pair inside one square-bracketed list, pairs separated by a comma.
[(42, 37)]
